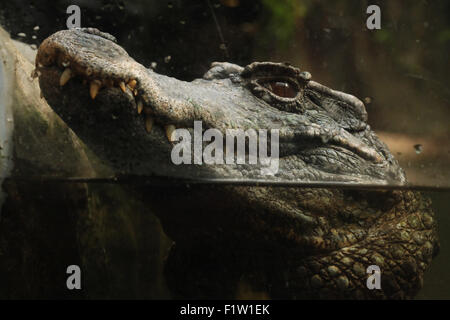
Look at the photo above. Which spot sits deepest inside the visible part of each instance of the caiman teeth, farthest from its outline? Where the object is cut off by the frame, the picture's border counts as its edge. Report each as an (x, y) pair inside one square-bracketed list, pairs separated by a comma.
[(148, 123), (65, 76), (132, 84), (170, 130), (122, 86), (95, 87), (140, 106)]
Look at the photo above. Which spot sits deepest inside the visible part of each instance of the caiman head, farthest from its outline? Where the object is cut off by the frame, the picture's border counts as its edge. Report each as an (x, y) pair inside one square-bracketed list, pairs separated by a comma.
[(126, 113), (325, 238)]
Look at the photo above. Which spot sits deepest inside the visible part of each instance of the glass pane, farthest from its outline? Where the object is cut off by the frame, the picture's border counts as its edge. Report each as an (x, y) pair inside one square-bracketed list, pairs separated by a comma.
[(288, 136)]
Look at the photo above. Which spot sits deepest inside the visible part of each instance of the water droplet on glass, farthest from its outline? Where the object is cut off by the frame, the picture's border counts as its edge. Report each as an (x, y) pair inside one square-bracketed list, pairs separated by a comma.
[(418, 148)]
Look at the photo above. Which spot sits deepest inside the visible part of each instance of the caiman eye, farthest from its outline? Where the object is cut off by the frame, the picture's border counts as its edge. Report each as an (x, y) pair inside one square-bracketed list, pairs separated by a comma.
[(283, 89)]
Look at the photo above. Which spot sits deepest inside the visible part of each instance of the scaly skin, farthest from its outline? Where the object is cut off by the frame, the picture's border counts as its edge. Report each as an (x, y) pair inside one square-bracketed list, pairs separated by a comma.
[(313, 243)]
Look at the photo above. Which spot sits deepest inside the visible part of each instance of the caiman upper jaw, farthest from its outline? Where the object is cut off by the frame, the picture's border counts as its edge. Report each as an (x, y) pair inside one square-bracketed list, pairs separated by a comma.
[(70, 58)]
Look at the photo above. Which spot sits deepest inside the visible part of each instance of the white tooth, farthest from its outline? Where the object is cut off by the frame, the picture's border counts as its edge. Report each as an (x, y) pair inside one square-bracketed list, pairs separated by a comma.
[(148, 123), (132, 84), (95, 87), (170, 132), (122, 86), (65, 76), (140, 106)]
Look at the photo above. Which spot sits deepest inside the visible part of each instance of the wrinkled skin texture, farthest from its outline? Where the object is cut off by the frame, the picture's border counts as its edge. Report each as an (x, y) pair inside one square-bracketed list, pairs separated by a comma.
[(287, 242)]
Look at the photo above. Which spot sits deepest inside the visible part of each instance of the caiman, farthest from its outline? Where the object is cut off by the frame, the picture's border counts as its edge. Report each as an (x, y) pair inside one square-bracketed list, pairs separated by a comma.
[(289, 242)]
